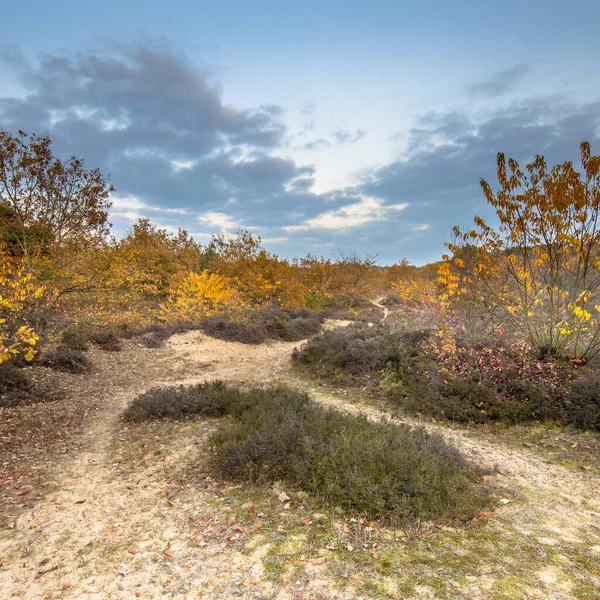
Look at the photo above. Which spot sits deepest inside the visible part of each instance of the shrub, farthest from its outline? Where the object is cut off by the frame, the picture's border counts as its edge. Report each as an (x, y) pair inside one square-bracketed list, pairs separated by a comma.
[(583, 403), (390, 300), (357, 350), (465, 399), (346, 461), (75, 338), (17, 387), (13, 382), (65, 359), (223, 328), (373, 314), (106, 339), (338, 314), (180, 403), (269, 322), (397, 362)]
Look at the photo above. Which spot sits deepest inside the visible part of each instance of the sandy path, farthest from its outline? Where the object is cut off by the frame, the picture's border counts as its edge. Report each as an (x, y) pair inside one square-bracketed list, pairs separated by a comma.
[(104, 533), (107, 533)]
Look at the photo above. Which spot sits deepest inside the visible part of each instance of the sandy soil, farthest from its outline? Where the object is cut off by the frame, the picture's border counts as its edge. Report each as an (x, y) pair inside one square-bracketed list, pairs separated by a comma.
[(107, 532)]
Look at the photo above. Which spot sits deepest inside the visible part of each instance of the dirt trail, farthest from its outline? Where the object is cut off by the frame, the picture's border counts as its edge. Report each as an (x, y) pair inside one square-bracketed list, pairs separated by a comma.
[(105, 532), (386, 310)]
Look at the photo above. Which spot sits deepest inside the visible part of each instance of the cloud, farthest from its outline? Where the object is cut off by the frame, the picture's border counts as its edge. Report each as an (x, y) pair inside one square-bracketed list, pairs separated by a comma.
[(338, 137), (447, 154), (348, 137), (499, 84), (367, 210), (180, 155), (156, 123), (317, 144), (220, 222), (132, 202)]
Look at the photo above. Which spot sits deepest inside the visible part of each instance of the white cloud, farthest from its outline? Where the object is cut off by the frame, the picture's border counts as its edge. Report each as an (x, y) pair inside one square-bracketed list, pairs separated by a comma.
[(181, 165), (423, 227), (121, 204), (220, 221), (368, 210)]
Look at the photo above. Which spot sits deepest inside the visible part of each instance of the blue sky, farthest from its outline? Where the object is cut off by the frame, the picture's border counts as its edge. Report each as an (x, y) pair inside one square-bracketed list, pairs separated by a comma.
[(323, 127)]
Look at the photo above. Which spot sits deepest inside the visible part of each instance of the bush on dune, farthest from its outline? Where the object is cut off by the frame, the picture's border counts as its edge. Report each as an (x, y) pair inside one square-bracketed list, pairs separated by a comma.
[(398, 364), (358, 349), (345, 461), (65, 359), (270, 322)]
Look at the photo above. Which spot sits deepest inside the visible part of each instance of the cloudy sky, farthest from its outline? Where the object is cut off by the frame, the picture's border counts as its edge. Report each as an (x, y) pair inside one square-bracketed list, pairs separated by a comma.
[(324, 127)]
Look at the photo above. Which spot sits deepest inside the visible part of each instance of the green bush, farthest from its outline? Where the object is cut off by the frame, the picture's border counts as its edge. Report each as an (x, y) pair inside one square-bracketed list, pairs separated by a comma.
[(395, 361), (371, 314), (466, 400), (224, 328), (358, 349), (75, 338), (390, 300), (346, 461), (14, 384), (583, 403), (65, 359), (106, 339), (181, 403), (269, 322)]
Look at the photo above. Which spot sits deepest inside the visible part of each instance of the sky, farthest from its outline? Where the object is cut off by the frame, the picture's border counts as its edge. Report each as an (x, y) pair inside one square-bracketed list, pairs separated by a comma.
[(330, 127)]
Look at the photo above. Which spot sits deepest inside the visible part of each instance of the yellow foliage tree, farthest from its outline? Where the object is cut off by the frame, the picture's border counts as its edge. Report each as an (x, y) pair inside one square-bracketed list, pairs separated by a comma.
[(18, 295), (540, 268), (200, 295), (259, 276)]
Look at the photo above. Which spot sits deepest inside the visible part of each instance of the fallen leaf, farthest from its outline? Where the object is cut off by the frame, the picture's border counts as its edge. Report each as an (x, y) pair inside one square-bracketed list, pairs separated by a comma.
[(283, 497), (317, 561), (79, 501), (307, 521), (42, 573)]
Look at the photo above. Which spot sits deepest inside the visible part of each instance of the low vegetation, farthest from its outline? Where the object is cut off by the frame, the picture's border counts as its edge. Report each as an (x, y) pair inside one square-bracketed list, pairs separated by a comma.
[(65, 359), (407, 370), (269, 322), (378, 469)]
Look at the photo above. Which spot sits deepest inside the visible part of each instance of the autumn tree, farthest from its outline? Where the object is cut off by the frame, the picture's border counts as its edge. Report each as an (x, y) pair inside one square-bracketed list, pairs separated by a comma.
[(199, 295), (46, 202), (539, 268), (22, 303), (355, 278), (259, 276)]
